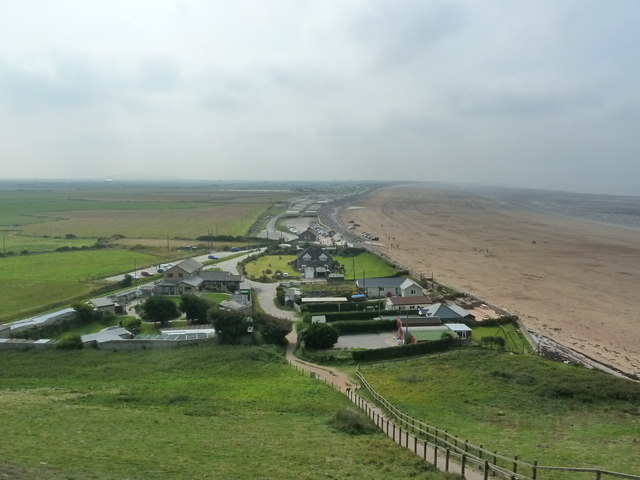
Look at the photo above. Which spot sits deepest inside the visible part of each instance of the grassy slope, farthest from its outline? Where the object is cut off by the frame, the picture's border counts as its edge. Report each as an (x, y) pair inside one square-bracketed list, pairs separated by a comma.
[(521, 405), (273, 262), (38, 280), (199, 412)]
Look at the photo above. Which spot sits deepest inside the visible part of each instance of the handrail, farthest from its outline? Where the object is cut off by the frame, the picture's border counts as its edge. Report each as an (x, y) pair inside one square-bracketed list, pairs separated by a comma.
[(442, 438)]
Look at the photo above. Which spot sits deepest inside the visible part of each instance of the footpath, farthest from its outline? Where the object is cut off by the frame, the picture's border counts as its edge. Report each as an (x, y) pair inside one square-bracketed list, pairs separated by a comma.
[(344, 384)]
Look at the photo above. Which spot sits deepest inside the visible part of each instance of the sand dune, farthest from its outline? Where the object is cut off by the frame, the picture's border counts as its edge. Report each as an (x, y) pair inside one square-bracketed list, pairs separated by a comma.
[(572, 280)]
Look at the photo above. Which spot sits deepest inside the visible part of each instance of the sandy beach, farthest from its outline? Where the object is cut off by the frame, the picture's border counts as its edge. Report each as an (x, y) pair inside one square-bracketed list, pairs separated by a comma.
[(572, 280)]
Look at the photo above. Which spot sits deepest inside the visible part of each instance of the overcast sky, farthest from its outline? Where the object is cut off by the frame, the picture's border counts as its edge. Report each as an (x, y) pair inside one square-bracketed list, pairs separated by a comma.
[(542, 93)]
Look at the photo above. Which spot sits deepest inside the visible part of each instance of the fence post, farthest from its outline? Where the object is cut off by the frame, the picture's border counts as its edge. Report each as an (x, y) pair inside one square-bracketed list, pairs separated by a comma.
[(463, 464), (534, 470), (406, 438), (466, 445), (394, 432), (598, 474), (446, 460), (435, 455), (480, 452), (495, 457), (415, 445), (486, 470), (515, 464)]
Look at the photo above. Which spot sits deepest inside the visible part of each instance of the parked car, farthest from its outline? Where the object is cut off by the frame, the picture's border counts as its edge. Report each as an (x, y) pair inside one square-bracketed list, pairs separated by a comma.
[(212, 257), (145, 274)]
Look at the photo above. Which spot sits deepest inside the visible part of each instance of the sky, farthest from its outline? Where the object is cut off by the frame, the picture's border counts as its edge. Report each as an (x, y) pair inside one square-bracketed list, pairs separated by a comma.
[(542, 93)]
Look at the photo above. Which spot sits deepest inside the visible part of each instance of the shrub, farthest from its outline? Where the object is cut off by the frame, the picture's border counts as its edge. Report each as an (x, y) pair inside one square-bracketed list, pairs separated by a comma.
[(350, 421), (498, 342), (71, 343), (319, 335)]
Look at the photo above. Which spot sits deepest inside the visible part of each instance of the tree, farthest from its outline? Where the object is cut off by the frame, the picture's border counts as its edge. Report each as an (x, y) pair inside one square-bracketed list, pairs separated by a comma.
[(230, 326), (273, 329), (195, 308), (84, 313), (160, 309), (320, 335), (132, 324)]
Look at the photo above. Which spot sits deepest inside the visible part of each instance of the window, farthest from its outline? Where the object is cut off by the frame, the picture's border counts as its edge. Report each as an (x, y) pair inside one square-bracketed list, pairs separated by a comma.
[(323, 257), (169, 275), (306, 257)]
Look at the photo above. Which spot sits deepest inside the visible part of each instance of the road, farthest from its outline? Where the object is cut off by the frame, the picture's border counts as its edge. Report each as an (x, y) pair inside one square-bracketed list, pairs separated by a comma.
[(273, 233)]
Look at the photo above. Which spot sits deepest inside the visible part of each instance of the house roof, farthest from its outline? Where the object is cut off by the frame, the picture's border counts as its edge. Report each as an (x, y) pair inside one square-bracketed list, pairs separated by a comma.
[(444, 311), (417, 300), (102, 302), (218, 276), (314, 251), (459, 327), (107, 335), (190, 265)]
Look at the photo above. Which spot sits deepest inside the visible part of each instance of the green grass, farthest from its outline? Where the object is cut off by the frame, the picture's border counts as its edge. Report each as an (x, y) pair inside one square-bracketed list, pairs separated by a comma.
[(366, 264), (521, 405), (59, 278), (515, 341), (216, 297), (18, 243), (273, 262), (201, 412)]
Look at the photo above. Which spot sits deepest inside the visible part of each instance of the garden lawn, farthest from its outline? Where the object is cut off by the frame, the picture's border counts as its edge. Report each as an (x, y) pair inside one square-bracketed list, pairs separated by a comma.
[(558, 414), (366, 264), (202, 412), (35, 282), (256, 267)]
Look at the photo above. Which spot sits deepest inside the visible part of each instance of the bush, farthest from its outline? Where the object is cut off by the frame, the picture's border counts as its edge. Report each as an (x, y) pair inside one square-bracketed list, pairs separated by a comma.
[(71, 343), (498, 342), (319, 336), (349, 420)]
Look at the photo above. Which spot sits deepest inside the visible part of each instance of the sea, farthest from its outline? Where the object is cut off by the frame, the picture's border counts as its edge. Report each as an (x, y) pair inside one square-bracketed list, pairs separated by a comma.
[(615, 210)]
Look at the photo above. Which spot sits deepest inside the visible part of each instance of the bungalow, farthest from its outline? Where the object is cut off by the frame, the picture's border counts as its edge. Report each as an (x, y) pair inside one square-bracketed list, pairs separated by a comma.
[(389, 287), (407, 303), (445, 312), (188, 276)]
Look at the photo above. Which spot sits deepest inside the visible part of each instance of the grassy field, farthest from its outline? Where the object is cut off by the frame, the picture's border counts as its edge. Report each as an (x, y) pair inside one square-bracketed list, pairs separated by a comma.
[(39, 280), (204, 412), (366, 264), (20, 243), (143, 212), (522, 405)]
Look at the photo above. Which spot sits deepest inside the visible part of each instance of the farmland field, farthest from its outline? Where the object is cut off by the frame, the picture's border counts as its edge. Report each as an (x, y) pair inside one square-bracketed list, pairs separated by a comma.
[(34, 281), (558, 414), (208, 411)]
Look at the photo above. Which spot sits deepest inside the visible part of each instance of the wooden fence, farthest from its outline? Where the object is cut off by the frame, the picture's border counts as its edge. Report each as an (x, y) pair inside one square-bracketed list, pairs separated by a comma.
[(488, 461)]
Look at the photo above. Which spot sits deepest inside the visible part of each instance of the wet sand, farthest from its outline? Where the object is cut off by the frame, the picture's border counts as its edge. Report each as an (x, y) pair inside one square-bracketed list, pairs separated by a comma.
[(572, 280)]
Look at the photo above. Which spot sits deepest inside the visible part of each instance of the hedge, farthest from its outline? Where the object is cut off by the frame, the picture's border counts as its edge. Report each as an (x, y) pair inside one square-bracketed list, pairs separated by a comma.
[(403, 350), (364, 326), (338, 307)]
